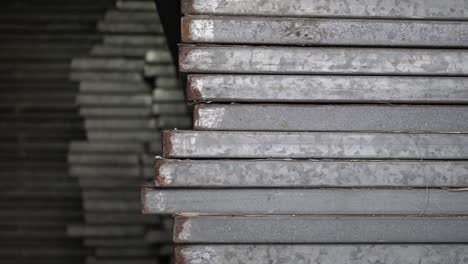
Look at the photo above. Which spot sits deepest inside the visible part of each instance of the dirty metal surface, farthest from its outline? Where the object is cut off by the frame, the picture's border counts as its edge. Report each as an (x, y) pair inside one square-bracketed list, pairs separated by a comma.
[(318, 31), (228, 144), (309, 173), (300, 88), (324, 254), (364, 118), (320, 229), (305, 201), (315, 60), (415, 9)]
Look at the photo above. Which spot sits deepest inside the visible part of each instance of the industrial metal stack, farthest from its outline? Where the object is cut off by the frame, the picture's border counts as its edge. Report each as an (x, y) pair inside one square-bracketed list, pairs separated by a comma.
[(38, 117), (325, 132), (116, 102), (168, 97)]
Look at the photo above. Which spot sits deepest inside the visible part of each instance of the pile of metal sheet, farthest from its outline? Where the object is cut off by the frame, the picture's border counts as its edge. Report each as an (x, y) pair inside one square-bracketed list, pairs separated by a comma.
[(116, 101), (38, 117), (325, 132)]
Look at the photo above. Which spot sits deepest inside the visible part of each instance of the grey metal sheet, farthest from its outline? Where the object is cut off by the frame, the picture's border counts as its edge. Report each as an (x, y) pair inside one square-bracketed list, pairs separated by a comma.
[(109, 64), (168, 95), (175, 108), (115, 242), (105, 230), (103, 159), (159, 70), (158, 56), (105, 206), (300, 88), (125, 16), (166, 82), (122, 28), (134, 40), (136, 100), (113, 87), (316, 31), (309, 173), (305, 201), (136, 5), (320, 229), (430, 9), (314, 60), (177, 121), (136, 135), (227, 144), (94, 112), (106, 76), (105, 147), (109, 170), (324, 254), (119, 51), (120, 123), (365, 118)]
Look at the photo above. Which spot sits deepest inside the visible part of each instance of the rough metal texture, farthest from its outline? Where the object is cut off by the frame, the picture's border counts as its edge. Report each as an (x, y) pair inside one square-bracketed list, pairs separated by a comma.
[(313, 31), (305, 201), (309, 173), (323, 254), (299, 88), (320, 229), (365, 118), (432, 9), (313, 60), (210, 144)]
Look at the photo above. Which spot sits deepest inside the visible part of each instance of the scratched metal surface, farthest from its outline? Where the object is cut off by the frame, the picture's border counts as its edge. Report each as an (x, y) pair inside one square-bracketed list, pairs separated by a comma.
[(227, 144), (305, 201), (323, 254), (309, 173), (315, 60), (300, 88), (317, 229), (430, 9), (364, 118), (313, 31)]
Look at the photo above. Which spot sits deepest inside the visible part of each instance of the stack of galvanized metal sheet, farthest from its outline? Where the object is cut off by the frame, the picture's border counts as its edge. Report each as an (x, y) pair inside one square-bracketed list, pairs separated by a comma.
[(169, 104), (38, 117), (325, 132), (115, 99)]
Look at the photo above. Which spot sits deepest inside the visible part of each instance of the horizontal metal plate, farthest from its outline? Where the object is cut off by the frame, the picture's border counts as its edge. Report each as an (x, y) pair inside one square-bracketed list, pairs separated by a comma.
[(364, 118), (429, 9), (313, 60), (305, 201), (309, 173), (227, 144), (317, 31), (317, 229), (325, 254)]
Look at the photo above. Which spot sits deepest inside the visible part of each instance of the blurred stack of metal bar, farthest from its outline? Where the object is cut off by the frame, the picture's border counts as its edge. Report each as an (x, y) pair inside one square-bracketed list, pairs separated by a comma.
[(39, 118), (325, 132), (116, 101)]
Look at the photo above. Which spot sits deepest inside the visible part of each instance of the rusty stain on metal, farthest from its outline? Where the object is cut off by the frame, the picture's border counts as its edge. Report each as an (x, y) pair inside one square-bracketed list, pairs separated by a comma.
[(185, 29), (167, 143), (179, 228), (179, 255), (184, 50), (160, 179), (193, 92), (145, 188), (186, 7)]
